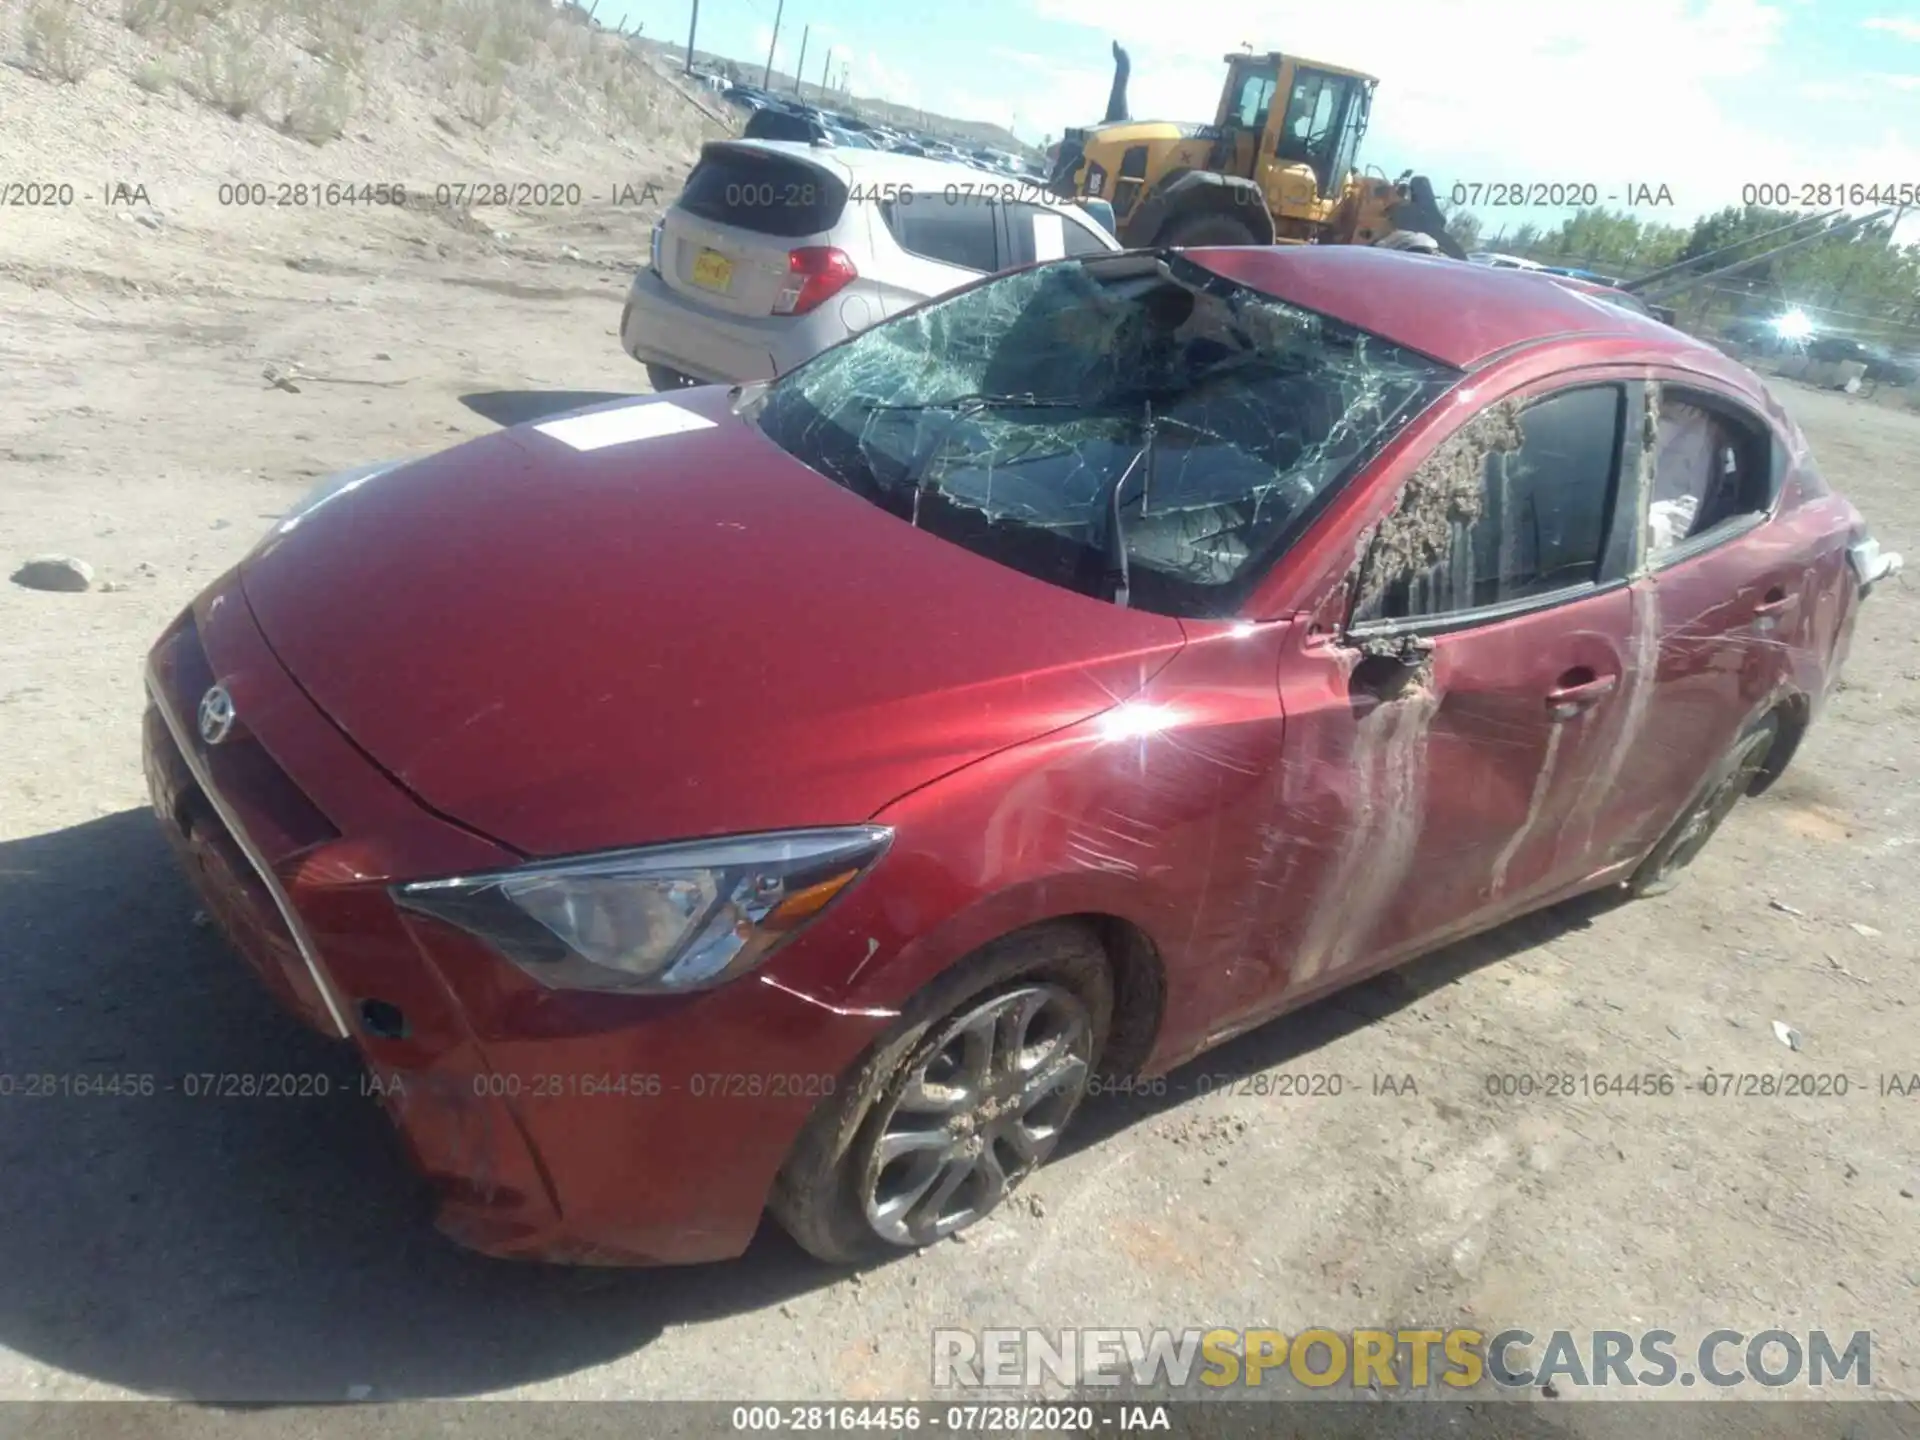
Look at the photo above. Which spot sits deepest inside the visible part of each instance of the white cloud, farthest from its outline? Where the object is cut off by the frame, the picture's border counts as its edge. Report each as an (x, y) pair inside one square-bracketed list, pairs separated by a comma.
[(1025, 59), (873, 78), (1905, 29), (1901, 82)]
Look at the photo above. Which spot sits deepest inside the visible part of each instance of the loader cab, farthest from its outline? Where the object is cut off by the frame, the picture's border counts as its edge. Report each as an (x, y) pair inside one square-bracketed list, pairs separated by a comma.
[(1325, 117), (1283, 120)]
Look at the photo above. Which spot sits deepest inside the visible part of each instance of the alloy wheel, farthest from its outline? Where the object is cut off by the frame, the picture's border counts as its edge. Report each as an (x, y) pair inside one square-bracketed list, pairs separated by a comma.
[(981, 1107), (1714, 806)]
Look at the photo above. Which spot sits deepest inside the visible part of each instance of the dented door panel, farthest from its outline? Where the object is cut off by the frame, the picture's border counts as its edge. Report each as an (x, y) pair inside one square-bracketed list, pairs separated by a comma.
[(1464, 789)]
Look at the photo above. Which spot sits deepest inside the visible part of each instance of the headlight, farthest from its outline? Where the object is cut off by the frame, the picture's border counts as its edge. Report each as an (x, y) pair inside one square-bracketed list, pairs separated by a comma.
[(653, 251), (664, 920)]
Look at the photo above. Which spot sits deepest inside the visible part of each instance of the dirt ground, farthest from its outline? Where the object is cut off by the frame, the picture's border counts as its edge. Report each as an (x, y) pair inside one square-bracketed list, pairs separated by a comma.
[(274, 1250)]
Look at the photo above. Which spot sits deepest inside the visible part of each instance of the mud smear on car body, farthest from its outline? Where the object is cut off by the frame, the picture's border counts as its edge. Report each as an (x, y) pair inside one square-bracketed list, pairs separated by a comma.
[(1389, 764), (1394, 678), (1642, 660), (1444, 496)]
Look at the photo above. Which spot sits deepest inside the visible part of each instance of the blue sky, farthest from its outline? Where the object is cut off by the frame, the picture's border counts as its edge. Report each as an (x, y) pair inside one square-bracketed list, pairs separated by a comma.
[(1702, 96)]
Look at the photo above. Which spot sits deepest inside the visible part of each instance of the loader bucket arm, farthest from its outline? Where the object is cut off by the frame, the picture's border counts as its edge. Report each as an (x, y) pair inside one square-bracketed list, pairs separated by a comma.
[(1421, 211), (1117, 97)]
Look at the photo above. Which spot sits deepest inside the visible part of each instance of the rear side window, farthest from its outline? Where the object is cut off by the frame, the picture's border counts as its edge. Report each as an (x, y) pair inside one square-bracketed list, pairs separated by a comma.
[(961, 233), (1710, 466), (1082, 241), (1036, 233), (1539, 522), (764, 192)]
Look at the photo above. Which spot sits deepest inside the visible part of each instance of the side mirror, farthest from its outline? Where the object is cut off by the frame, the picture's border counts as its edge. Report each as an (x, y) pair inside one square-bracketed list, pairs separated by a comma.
[(1390, 664)]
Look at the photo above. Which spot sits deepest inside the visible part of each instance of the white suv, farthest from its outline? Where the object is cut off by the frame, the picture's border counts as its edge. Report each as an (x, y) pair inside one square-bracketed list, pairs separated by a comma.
[(777, 249)]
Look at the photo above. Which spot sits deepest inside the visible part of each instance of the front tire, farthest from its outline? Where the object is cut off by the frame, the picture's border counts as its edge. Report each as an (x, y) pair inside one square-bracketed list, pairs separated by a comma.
[(957, 1105), (1731, 778)]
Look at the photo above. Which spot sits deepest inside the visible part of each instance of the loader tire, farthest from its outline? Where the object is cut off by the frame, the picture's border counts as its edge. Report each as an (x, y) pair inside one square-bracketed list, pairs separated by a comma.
[(1208, 228)]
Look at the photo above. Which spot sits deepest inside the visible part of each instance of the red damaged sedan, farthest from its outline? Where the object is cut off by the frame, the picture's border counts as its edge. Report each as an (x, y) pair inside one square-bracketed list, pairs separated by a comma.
[(792, 798)]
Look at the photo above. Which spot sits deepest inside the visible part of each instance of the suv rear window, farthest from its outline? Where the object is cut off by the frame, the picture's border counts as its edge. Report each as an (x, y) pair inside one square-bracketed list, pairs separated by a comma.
[(764, 192)]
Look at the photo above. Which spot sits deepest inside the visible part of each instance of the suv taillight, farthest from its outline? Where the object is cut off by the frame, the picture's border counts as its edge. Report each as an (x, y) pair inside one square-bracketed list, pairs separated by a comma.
[(815, 273)]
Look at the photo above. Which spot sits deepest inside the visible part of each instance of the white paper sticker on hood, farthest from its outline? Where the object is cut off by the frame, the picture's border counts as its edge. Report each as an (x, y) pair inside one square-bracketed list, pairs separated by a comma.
[(648, 420)]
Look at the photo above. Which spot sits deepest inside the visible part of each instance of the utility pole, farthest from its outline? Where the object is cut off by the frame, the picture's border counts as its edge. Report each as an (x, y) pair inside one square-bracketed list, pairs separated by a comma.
[(767, 78), (692, 25), (800, 69), (823, 72)]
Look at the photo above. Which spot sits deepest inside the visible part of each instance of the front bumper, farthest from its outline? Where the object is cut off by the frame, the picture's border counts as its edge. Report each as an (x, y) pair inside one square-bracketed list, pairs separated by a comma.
[(558, 1126)]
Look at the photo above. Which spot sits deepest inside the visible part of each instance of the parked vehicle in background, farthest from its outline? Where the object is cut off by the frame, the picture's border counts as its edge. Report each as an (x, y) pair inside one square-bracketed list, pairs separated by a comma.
[(1885, 367), (776, 250), (837, 781), (781, 122), (749, 97), (1503, 262), (1593, 277)]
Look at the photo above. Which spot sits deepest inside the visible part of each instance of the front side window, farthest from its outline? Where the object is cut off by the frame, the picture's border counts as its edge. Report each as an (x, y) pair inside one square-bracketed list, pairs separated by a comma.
[(1131, 427), (1511, 507), (1310, 117), (1255, 99)]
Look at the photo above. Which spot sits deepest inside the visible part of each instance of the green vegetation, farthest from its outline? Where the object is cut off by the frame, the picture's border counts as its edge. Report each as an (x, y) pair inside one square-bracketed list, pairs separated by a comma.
[(1860, 282), (231, 66), (53, 42), (320, 106)]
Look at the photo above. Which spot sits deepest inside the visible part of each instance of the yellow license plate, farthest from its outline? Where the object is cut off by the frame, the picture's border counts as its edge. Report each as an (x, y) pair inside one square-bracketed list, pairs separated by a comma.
[(713, 270)]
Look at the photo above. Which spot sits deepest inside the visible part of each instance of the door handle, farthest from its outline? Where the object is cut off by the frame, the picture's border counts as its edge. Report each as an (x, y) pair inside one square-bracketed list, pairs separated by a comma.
[(1776, 602), (1577, 690)]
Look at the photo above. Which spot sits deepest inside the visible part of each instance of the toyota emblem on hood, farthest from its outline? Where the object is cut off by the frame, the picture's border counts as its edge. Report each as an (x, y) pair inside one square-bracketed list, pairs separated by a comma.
[(216, 715)]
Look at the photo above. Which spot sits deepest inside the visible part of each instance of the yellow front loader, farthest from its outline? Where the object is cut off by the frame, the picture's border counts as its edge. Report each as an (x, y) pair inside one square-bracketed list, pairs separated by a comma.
[(1279, 164)]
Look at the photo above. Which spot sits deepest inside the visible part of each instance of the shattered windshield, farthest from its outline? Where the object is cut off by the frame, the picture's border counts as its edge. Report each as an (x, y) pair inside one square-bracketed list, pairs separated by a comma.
[(1132, 427)]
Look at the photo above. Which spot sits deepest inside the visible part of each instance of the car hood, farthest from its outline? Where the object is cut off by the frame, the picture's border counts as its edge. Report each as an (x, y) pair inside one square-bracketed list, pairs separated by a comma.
[(680, 632)]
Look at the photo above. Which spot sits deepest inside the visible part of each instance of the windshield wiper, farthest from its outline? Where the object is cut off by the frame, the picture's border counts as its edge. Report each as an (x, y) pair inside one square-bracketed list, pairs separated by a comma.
[(1114, 551), (977, 401), (1115, 547), (963, 406)]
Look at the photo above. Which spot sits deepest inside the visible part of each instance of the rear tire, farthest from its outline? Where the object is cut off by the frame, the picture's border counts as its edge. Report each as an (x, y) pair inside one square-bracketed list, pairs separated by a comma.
[(920, 1142), (664, 378), (1208, 228), (1731, 778)]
